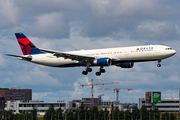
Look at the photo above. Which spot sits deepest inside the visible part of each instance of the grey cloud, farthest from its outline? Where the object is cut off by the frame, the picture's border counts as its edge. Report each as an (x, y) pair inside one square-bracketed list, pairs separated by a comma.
[(9, 14), (46, 18), (121, 19), (155, 30), (22, 74), (3, 60), (64, 47), (127, 8), (38, 7), (98, 27), (116, 19), (53, 25)]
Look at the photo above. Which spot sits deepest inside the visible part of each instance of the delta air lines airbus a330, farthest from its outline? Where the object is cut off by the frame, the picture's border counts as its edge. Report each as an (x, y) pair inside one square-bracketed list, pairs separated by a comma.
[(123, 57)]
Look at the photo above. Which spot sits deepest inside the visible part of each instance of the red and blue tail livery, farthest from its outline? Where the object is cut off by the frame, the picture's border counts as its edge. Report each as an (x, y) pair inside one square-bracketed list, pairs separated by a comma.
[(26, 45)]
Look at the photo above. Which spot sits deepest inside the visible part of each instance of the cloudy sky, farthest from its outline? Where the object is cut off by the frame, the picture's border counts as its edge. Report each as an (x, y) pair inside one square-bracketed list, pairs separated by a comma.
[(65, 25)]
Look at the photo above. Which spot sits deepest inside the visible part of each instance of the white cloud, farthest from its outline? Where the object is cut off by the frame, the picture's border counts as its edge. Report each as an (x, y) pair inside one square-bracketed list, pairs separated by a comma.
[(29, 76), (77, 91), (157, 30), (174, 78), (3, 62), (170, 94), (9, 14), (38, 77), (41, 95)]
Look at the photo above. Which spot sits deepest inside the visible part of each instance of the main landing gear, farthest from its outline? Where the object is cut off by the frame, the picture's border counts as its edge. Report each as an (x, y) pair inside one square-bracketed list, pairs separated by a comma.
[(101, 70), (86, 71), (159, 65)]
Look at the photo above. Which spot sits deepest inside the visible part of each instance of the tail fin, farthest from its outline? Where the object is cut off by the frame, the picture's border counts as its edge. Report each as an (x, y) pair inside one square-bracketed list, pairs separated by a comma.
[(26, 45)]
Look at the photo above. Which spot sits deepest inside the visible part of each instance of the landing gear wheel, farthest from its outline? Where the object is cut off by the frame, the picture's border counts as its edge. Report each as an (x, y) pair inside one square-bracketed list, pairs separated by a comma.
[(158, 65), (102, 70), (98, 73), (84, 72), (89, 69)]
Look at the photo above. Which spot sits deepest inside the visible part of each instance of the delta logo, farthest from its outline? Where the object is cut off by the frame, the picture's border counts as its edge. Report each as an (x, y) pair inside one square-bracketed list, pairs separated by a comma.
[(145, 48)]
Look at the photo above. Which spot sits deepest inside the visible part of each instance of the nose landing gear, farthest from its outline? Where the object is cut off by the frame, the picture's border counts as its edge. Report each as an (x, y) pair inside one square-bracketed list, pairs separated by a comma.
[(159, 65)]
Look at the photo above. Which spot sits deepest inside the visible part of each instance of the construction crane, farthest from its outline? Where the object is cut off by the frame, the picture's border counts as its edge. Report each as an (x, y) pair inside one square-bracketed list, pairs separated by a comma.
[(92, 88), (115, 89), (100, 96), (117, 92)]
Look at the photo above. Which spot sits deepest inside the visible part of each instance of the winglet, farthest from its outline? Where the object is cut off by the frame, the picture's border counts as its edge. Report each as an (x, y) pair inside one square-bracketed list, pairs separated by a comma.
[(26, 45)]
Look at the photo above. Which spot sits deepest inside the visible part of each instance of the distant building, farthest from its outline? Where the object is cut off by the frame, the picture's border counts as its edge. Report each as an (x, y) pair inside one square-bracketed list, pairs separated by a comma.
[(19, 106), (105, 104), (2, 102), (110, 102), (166, 105), (128, 106), (88, 101), (120, 106), (16, 94)]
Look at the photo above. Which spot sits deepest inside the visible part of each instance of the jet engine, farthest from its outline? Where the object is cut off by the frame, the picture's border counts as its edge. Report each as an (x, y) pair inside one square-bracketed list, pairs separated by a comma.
[(102, 61), (126, 65)]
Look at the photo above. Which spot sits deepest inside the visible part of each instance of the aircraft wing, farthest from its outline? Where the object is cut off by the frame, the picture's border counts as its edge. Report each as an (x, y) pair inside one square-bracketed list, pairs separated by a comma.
[(28, 58), (80, 58)]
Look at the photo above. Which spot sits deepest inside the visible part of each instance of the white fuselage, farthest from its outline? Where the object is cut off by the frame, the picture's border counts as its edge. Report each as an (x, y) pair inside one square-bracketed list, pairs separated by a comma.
[(121, 54)]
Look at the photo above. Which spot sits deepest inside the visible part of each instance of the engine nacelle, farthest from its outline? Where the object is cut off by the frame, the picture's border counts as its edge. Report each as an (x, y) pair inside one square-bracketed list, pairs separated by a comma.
[(102, 61), (126, 65)]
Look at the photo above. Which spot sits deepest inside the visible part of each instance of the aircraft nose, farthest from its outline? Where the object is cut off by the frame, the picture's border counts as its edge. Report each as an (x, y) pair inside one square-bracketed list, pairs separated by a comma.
[(173, 52)]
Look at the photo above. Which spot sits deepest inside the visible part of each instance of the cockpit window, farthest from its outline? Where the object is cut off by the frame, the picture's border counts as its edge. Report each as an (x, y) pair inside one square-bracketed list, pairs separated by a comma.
[(168, 49)]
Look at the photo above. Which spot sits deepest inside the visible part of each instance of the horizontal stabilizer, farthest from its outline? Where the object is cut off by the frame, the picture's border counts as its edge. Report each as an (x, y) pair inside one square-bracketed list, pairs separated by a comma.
[(28, 58)]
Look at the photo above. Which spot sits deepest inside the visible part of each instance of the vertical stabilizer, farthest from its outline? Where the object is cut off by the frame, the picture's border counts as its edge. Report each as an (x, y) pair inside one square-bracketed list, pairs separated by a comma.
[(26, 45)]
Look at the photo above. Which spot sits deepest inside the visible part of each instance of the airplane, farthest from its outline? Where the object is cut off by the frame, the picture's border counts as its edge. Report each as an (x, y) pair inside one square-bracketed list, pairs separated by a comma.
[(123, 57)]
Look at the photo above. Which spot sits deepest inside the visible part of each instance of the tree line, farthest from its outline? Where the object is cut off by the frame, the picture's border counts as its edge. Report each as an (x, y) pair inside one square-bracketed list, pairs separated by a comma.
[(95, 113), (9, 115)]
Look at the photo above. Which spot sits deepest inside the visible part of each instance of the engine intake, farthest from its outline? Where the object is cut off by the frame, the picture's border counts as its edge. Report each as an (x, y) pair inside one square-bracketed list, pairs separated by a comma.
[(102, 61), (126, 65)]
